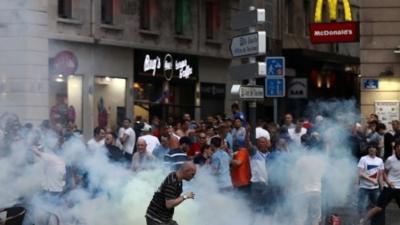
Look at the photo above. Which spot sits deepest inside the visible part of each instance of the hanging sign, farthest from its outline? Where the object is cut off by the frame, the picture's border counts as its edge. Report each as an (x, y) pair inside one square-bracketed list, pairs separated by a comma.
[(333, 32)]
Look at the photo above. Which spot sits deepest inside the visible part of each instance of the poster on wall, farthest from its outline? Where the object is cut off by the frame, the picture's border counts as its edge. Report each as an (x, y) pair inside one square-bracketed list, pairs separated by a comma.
[(387, 110)]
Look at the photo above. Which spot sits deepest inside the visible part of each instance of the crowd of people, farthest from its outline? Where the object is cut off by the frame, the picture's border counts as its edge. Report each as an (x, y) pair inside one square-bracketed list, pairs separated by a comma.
[(224, 146)]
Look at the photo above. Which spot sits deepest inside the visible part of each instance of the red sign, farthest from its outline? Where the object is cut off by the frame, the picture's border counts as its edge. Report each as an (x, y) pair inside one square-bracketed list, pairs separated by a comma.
[(334, 32), (65, 63)]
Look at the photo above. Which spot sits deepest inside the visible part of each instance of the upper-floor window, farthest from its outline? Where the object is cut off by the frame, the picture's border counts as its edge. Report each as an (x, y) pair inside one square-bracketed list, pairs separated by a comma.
[(289, 16), (148, 14), (307, 16), (182, 17), (65, 8), (213, 19), (107, 11)]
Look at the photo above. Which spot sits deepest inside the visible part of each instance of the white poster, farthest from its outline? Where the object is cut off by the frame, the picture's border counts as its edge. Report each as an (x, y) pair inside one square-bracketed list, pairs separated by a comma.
[(387, 111)]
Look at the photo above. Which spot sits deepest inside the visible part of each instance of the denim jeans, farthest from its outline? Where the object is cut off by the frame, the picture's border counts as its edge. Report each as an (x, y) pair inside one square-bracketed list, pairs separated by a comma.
[(367, 198)]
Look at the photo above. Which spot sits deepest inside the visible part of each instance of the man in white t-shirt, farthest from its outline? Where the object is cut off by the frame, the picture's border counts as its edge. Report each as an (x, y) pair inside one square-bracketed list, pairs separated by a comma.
[(296, 133), (391, 189), (54, 170), (128, 138), (370, 170), (97, 141), (306, 175), (151, 141)]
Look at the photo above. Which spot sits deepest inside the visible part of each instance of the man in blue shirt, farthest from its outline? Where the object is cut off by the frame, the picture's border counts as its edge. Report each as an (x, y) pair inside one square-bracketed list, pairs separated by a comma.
[(220, 163)]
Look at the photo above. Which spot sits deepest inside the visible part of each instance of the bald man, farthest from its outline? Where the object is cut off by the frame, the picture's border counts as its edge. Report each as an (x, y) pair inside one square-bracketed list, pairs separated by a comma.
[(168, 196)]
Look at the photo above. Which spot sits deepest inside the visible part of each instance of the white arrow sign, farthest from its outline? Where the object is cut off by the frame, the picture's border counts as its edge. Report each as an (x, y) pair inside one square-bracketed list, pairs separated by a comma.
[(249, 44)]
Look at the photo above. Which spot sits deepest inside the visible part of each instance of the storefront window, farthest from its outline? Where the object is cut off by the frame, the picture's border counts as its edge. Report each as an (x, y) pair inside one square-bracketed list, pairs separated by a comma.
[(109, 101), (66, 100)]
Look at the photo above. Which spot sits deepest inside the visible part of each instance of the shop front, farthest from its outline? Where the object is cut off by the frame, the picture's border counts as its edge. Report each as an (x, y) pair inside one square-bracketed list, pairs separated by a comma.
[(319, 76), (165, 84), (88, 85)]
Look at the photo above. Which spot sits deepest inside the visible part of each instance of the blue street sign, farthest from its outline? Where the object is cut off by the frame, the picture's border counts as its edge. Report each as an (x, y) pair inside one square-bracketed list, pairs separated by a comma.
[(370, 84), (275, 87), (275, 66)]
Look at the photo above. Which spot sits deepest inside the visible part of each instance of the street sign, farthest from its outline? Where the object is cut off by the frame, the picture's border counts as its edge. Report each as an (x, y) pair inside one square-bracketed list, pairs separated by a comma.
[(297, 88), (248, 71), (370, 84), (249, 44), (248, 19), (275, 66), (275, 87), (251, 92)]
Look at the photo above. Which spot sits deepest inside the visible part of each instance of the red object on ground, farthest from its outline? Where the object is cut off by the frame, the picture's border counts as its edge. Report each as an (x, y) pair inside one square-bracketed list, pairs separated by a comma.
[(335, 220)]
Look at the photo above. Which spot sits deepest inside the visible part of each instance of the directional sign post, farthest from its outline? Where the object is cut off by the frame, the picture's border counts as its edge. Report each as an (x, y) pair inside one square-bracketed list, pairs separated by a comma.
[(248, 19), (275, 87), (248, 71), (249, 44)]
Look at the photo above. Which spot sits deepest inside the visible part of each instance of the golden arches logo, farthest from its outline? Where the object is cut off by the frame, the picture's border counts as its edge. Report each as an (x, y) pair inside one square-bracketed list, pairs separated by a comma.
[(332, 10)]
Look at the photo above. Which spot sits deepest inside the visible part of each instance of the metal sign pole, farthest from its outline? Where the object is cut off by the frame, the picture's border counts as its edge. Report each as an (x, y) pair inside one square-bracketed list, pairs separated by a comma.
[(275, 110), (252, 104)]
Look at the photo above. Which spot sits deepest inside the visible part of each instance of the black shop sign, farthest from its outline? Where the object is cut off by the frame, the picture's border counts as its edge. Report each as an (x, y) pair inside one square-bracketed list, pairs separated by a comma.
[(165, 65)]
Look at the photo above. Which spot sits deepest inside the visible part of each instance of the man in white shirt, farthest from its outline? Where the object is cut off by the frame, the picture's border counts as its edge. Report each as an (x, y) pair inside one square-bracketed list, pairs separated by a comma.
[(306, 176), (54, 169), (151, 141), (296, 133), (128, 139), (370, 170), (391, 189), (97, 141), (259, 173)]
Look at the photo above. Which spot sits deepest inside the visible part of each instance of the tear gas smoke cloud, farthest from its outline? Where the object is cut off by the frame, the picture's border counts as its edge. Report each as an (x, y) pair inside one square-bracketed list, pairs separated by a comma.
[(116, 195)]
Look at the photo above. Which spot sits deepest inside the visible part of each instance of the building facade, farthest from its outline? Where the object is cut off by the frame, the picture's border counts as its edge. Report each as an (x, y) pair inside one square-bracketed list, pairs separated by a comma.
[(94, 62), (316, 71), (380, 59)]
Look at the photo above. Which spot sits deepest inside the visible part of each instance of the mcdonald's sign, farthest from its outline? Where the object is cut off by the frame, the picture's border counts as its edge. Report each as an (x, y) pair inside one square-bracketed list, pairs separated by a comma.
[(334, 31)]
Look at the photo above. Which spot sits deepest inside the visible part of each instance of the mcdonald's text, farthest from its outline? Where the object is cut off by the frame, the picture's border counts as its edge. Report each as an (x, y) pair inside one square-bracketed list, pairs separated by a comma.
[(333, 32)]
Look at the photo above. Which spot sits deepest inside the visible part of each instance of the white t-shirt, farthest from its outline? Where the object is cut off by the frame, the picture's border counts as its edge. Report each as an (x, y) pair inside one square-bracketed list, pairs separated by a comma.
[(393, 165), (307, 174), (371, 167), (94, 145), (120, 135), (54, 172), (258, 167), (130, 141), (151, 141), (296, 137)]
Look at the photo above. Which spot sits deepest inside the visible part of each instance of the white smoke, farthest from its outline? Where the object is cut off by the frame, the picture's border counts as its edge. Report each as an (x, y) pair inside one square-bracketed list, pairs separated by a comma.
[(116, 195)]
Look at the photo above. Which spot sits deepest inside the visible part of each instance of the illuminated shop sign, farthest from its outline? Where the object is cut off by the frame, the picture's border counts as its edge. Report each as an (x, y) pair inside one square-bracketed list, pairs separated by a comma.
[(168, 66), (334, 31)]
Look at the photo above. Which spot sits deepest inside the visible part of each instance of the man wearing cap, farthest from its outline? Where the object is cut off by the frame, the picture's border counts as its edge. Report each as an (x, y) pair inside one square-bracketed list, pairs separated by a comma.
[(151, 141)]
